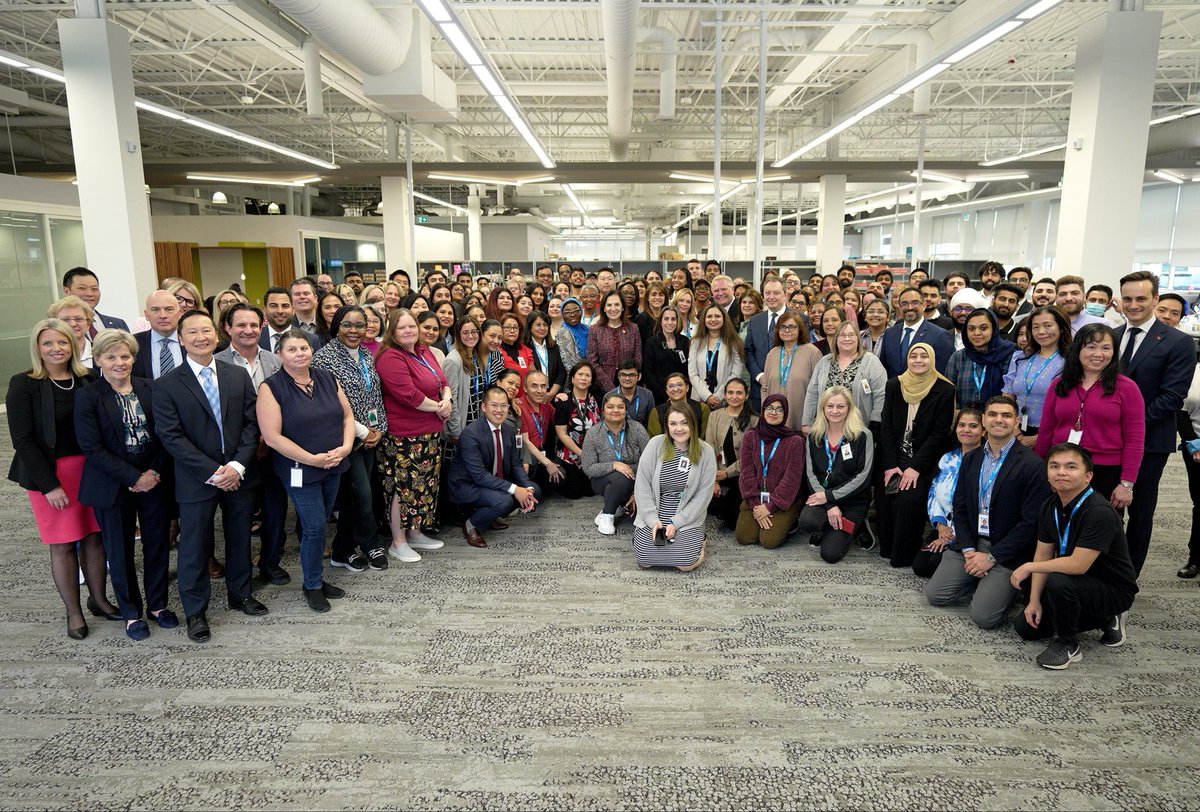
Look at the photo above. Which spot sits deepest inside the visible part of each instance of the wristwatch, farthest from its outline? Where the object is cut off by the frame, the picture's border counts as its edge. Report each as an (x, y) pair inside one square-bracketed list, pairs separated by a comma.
[(1125, 483), (991, 558)]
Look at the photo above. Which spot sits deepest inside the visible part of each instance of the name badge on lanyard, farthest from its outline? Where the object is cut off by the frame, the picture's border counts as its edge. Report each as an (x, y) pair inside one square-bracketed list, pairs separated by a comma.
[(297, 476), (521, 361), (985, 527), (520, 441), (1075, 436), (847, 451), (1024, 421), (685, 465)]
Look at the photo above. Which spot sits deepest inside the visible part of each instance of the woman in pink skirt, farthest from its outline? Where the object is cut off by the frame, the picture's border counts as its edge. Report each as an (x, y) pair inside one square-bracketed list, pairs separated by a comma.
[(48, 464)]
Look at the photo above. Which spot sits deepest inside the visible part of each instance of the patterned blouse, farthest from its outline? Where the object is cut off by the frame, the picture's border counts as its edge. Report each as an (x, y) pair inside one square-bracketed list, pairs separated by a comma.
[(578, 416), (137, 437), (355, 371), (842, 377)]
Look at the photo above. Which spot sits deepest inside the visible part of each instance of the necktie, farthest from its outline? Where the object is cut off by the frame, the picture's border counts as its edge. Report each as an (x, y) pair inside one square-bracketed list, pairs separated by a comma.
[(1127, 356), (904, 342), (92, 331), (166, 358), (771, 326), (214, 400), (278, 341), (499, 455)]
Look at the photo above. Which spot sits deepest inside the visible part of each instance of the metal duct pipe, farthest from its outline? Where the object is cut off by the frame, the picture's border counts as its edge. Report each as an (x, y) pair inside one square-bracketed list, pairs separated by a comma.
[(668, 58), (748, 41), (921, 41), (620, 41), (22, 146), (354, 28), (312, 79)]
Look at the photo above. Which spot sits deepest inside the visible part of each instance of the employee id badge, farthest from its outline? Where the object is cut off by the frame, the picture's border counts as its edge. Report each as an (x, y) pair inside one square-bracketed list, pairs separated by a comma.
[(520, 441), (985, 528), (685, 465), (1024, 422), (521, 362), (866, 386), (373, 418), (764, 497), (297, 477), (1076, 436), (847, 452)]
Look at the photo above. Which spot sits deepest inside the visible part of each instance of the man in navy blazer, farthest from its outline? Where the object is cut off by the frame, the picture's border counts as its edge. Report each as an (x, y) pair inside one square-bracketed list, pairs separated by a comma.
[(477, 483), (82, 282), (989, 544), (162, 311), (214, 466), (913, 328), (1160, 360), (760, 334)]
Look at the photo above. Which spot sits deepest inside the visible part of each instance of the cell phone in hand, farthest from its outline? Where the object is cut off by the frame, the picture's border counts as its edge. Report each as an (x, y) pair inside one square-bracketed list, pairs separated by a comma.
[(893, 485), (660, 537)]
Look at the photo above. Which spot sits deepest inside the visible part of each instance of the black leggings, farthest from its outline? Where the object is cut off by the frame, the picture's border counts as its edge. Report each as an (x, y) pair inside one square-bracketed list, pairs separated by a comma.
[(615, 487)]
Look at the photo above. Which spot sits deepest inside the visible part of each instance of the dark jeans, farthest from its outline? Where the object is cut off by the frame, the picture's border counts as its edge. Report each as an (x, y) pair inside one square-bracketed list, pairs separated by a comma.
[(902, 519), (1073, 604), (314, 502), (834, 543), (1193, 475), (1141, 509), (274, 500), (356, 526), (728, 504), (615, 487), (574, 483), (116, 531)]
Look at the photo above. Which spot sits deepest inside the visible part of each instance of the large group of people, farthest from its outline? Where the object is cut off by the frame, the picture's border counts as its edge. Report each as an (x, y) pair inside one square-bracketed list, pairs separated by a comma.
[(990, 438)]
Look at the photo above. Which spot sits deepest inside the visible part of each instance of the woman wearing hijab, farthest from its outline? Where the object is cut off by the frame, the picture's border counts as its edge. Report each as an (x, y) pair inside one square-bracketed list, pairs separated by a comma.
[(772, 469), (977, 370), (572, 337), (918, 410)]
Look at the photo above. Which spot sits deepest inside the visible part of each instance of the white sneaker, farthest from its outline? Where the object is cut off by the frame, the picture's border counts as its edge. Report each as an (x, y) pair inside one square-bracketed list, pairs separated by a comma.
[(423, 542), (404, 553), (595, 521), (607, 524)]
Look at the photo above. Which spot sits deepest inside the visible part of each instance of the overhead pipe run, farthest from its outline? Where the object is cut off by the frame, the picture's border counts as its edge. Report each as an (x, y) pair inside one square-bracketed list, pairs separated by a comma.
[(312, 79), (920, 41), (619, 18), (355, 29), (668, 57)]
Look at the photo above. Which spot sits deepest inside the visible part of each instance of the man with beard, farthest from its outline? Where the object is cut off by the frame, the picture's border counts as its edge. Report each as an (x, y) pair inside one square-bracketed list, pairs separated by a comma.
[(845, 276), (955, 281), (965, 301), (1070, 300), (990, 274), (1021, 277), (1006, 298), (931, 299)]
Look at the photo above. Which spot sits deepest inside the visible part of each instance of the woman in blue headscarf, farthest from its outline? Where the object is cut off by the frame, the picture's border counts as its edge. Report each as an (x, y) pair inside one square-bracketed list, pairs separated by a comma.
[(977, 370), (572, 337)]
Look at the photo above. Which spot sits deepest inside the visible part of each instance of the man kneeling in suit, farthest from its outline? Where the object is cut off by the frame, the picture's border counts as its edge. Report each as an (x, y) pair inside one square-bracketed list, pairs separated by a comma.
[(486, 475)]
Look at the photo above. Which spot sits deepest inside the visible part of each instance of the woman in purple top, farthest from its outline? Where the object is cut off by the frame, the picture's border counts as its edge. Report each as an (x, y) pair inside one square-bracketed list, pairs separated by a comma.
[(416, 399), (771, 463)]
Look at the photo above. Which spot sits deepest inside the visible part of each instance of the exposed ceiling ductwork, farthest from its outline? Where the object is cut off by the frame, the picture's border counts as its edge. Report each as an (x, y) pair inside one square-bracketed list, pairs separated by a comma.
[(620, 55)]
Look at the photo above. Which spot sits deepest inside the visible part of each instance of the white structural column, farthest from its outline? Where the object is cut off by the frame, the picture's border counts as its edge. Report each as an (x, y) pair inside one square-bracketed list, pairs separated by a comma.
[(108, 161), (1115, 61), (831, 223), (398, 249), (474, 227)]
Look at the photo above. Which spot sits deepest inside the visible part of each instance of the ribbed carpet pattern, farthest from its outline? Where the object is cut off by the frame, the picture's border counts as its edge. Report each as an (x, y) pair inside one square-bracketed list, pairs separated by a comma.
[(549, 672)]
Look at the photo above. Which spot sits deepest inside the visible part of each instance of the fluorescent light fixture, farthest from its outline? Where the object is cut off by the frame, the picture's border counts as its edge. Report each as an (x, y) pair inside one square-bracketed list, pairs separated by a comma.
[(252, 181), (709, 205), (587, 219), (487, 81), (461, 43), (982, 42), (257, 142), (436, 10), (159, 111), (987, 178), (921, 78), (832, 131), (688, 176), (16, 63), (1175, 116), (1031, 154), (467, 179), (935, 177), (904, 187), (1165, 175), (1037, 9), (433, 200), (49, 74), (543, 179)]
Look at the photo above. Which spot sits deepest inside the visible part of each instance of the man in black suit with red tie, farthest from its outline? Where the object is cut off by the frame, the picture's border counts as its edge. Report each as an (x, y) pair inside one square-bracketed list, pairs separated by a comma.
[(206, 421), (483, 484), (1160, 360)]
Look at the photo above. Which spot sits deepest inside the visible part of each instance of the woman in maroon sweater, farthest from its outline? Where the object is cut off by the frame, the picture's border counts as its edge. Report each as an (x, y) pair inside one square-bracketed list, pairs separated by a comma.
[(774, 446), (1098, 408), (611, 340)]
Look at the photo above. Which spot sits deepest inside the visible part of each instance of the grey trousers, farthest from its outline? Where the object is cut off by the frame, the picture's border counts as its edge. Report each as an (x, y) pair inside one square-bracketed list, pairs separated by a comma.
[(991, 595)]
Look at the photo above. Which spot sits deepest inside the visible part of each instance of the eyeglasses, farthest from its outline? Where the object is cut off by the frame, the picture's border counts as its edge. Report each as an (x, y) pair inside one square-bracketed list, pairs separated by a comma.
[(75, 319), (631, 374), (788, 327), (186, 302), (570, 311), (353, 325), (773, 408)]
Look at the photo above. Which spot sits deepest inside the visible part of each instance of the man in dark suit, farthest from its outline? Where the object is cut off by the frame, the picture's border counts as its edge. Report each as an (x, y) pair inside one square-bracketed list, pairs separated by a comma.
[(83, 283), (159, 351), (206, 421), (760, 333), (911, 329), (1160, 360), (1000, 492), (931, 301), (480, 482), (281, 317)]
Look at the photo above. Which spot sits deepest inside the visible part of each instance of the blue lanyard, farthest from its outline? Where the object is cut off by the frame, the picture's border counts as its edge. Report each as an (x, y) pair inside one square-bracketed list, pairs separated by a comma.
[(637, 399), (711, 356), (617, 446), (764, 460), (1030, 384), (985, 489), (785, 371), (436, 376), (687, 331), (366, 371), (979, 375), (1063, 533), (832, 451), (533, 415), (544, 357)]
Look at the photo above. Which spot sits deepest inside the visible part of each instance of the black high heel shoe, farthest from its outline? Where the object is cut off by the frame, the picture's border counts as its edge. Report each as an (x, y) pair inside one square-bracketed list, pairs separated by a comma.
[(76, 632), (96, 611)]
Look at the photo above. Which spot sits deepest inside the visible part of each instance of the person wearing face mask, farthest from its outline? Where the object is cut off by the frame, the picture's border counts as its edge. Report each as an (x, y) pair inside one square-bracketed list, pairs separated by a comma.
[(977, 370), (1100, 302), (572, 337)]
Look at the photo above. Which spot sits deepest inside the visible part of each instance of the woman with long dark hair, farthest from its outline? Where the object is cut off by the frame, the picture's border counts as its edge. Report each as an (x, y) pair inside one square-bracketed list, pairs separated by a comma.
[(665, 352), (500, 301), (1031, 372), (717, 355), (515, 353), (977, 370), (968, 430), (611, 340), (1094, 406), (647, 318), (546, 357), (573, 416), (726, 428)]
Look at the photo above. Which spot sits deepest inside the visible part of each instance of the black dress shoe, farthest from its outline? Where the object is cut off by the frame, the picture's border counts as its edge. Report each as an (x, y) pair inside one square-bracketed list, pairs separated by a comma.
[(76, 632), (249, 607), (197, 628), (331, 591), (96, 611), (316, 600), (274, 574), (1189, 570)]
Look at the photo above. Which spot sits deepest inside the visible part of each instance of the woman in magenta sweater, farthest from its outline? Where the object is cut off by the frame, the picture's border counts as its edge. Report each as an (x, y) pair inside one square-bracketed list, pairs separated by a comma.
[(1098, 408), (772, 466)]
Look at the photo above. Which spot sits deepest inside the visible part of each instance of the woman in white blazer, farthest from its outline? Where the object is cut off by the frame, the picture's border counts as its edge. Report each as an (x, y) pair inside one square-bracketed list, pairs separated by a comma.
[(716, 355)]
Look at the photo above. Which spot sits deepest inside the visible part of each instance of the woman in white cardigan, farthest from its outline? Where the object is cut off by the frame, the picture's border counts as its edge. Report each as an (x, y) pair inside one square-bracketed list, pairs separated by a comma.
[(848, 365), (716, 354), (674, 485)]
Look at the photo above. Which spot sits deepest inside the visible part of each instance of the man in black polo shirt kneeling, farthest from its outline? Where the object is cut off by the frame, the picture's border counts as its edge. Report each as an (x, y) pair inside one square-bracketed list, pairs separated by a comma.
[(1083, 577)]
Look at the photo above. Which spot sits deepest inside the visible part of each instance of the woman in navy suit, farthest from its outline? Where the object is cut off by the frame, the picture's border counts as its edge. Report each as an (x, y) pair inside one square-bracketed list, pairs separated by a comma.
[(121, 480)]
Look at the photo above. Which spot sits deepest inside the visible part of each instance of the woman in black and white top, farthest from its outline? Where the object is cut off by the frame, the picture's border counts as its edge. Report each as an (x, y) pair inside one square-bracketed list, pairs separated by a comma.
[(573, 416), (546, 355)]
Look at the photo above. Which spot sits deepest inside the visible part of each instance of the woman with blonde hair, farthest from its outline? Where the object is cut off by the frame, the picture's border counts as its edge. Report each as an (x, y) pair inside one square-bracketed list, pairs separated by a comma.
[(848, 365), (346, 294), (372, 294), (187, 294), (683, 302), (78, 314)]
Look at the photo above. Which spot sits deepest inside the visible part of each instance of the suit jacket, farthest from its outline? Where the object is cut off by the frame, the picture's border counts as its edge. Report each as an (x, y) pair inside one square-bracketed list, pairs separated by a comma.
[(475, 462), (113, 322), (928, 333), (30, 407), (268, 360), (1018, 494), (758, 344), (143, 364), (100, 429), (264, 340), (1162, 368), (188, 430)]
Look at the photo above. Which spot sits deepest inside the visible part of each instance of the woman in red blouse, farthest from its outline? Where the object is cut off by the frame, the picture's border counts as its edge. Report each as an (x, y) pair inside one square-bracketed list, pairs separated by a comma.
[(416, 398), (516, 354), (611, 340)]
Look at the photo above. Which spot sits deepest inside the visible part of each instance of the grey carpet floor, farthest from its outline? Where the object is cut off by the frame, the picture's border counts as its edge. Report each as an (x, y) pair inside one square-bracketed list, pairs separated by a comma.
[(549, 672)]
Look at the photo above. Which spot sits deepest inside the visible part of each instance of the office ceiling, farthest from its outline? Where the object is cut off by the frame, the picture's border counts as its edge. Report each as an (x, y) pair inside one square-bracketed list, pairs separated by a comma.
[(240, 63)]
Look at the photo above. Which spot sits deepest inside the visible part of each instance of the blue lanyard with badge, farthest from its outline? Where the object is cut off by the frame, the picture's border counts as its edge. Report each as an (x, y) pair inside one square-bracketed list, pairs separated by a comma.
[(985, 489), (537, 422), (832, 452), (543, 356), (437, 377), (710, 358), (1064, 532), (1029, 384), (978, 375), (618, 445), (764, 461), (372, 414), (784, 371)]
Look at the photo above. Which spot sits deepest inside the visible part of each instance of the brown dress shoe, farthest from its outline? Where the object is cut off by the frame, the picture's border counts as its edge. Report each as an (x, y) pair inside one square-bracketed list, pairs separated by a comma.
[(474, 537), (499, 524), (215, 568)]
